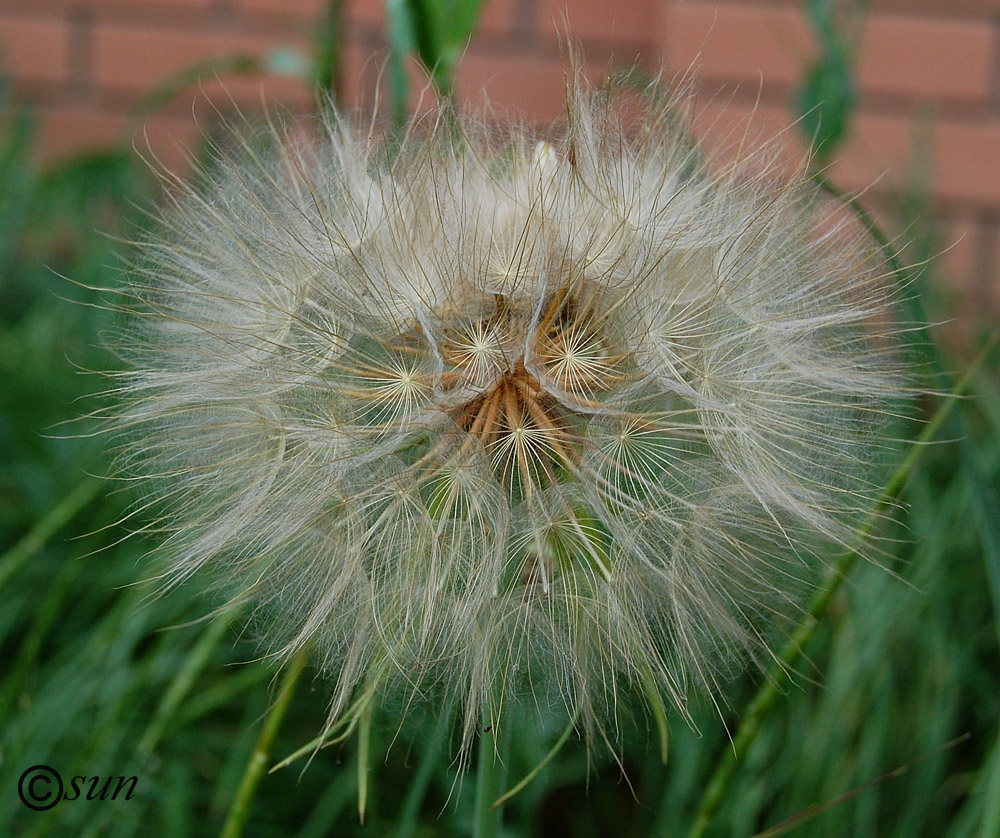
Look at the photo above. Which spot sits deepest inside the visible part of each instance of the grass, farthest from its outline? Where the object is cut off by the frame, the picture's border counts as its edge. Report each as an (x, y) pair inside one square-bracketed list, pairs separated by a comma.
[(900, 683)]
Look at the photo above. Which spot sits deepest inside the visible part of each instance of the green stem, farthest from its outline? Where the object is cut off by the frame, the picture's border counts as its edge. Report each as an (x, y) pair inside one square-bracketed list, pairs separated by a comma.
[(421, 780), (491, 777), (327, 49), (240, 808), (984, 498), (208, 699), (45, 617), (37, 537), (349, 720), (779, 674), (168, 88), (919, 336), (364, 759), (183, 680), (516, 789)]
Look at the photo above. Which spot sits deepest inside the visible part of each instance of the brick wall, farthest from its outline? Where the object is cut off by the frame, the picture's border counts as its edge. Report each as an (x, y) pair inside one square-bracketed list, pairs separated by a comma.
[(928, 71)]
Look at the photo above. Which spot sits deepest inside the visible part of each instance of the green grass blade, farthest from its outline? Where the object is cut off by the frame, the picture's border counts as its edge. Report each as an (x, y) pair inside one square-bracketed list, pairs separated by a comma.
[(402, 42), (184, 680), (36, 538), (555, 749), (432, 750), (239, 811), (767, 695)]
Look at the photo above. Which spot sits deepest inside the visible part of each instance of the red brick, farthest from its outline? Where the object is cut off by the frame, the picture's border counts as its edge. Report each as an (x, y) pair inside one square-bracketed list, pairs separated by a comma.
[(368, 12), (956, 263), (35, 50), (134, 59), (526, 85), (966, 162), (74, 129), (904, 55), (252, 92), (991, 284), (296, 8), (167, 142), (731, 131), (963, 285), (495, 16), (359, 75), (927, 57), (878, 160), (931, 8), (633, 20), (106, 8), (964, 165), (737, 41), (877, 150), (951, 7), (365, 81)]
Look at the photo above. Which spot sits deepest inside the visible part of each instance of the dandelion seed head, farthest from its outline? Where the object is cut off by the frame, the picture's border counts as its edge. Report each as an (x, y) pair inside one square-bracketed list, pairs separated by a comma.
[(485, 415)]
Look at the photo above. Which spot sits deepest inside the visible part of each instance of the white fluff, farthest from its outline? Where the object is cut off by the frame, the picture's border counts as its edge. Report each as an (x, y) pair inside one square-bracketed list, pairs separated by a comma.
[(488, 415)]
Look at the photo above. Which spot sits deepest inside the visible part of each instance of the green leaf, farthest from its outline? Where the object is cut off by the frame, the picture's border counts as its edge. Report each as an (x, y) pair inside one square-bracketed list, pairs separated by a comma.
[(822, 19), (290, 63), (825, 102), (436, 31), (327, 40), (402, 42)]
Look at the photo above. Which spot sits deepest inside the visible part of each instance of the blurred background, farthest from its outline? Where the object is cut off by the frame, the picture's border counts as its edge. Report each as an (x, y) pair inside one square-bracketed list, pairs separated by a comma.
[(889, 723), (926, 80)]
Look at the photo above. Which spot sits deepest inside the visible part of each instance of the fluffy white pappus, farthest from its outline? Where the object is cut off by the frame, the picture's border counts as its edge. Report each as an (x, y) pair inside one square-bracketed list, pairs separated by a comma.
[(487, 414)]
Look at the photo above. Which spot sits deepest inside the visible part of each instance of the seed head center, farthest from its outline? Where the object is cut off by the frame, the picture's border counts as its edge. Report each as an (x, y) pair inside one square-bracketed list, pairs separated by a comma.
[(522, 428)]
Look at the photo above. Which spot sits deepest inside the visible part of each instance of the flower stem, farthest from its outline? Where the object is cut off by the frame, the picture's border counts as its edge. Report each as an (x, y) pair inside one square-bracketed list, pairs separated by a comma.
[(328, 40), (491, 778), (779, 674), (433, 748), (516, 789), (37, 537), (364, 759), (984, 497), (184, 680), (240, 808)]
